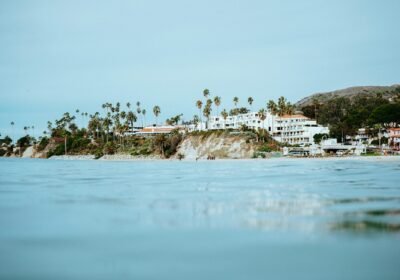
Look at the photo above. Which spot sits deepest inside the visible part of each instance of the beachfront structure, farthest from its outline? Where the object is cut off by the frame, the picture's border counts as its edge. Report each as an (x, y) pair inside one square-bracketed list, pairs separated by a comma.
[(291, 129), (394, 137), (156, 130)]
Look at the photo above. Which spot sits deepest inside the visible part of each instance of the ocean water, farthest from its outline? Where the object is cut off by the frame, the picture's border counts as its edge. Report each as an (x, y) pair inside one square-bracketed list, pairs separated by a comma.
[(260, 219)]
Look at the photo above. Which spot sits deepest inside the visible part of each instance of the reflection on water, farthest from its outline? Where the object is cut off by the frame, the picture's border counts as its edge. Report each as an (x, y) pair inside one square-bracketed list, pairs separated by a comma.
[(366, 226), (228, 219)]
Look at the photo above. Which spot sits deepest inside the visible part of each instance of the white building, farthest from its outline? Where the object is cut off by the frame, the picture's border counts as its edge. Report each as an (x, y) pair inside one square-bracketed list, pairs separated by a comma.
[(291, 129)]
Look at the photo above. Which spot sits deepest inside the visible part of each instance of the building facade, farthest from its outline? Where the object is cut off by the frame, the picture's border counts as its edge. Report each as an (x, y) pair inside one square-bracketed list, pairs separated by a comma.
[(394, 138), (291, 129)]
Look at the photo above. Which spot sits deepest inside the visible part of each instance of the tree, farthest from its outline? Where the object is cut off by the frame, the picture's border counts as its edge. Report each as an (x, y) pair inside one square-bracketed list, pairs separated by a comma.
[(128, 105), (281, 106), (289, 108), (123, 115), (94, 125), (199, 105), (239, 111), (107, 123), (206, 93), (156, 112), (236, 100), (174, 120), (319, 136), (387, 115), (217, 102), (196, 120), (272, 107), (250, 100), (262, 116), (12, 128), (224, 115), (144, 116), (160, 142), (139, 111), (207, 111), (131, 118)]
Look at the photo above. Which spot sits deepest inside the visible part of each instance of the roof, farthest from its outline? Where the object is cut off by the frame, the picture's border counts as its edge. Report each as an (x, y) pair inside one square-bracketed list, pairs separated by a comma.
[(295, 116), (156, 129), (394, 129)]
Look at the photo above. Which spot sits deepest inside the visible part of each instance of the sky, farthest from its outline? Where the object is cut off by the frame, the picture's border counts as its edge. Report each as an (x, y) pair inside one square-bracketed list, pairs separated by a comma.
[(59, 56)]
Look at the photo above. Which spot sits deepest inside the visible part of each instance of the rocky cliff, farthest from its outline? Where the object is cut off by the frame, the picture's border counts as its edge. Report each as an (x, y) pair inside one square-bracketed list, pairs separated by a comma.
[(217, 145)]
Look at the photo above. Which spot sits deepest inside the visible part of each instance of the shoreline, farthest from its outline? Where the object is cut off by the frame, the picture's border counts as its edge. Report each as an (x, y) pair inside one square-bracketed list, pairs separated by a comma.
[(121, 157)]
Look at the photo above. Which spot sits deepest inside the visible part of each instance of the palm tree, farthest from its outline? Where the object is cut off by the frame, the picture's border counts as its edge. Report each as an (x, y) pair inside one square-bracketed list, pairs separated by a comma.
[(281, 106), (123, 115), (199, 105), (236, 100), (131, 118), (262, 116), (50, 127), (12, 128), (206, 93), (156, 112), (26, 129), (139, 111), (128, 105), (224, 115), (250, 100), (144, 116), (83, 118), (106, 124), (77, 112), (217, 102), (196, 120), (86, 114), (272, 107), (289, 108), (207, 111)]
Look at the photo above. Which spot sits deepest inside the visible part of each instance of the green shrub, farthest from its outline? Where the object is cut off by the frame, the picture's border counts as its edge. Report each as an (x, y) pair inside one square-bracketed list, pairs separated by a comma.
[(109, 148), (43, 143), (6, 140)]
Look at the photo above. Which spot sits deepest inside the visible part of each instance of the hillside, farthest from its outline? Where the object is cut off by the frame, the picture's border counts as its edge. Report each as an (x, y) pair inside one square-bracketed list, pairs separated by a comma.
[(387, 92)]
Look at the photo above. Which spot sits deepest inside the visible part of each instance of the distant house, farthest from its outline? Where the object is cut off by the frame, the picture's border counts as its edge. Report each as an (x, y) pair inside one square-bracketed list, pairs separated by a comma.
[(394, 137), (156, 130), (362, 135)]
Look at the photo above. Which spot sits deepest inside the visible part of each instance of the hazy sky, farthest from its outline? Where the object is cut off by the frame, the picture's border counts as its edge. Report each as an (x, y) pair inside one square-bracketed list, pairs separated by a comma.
[(58, 56)]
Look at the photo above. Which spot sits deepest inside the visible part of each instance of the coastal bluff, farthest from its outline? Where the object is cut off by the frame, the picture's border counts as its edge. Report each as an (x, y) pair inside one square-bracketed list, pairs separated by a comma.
[(219, 146)]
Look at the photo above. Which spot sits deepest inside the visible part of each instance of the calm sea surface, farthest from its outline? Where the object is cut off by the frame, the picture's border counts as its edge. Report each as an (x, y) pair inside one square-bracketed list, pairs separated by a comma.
[(271, 219)]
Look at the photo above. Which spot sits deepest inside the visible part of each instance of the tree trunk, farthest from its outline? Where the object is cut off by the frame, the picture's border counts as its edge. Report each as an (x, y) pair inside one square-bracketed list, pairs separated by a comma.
[(65, 145)]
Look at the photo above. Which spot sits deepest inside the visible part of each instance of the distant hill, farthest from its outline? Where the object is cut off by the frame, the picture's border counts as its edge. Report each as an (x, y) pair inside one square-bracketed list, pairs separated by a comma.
[(387, 92)]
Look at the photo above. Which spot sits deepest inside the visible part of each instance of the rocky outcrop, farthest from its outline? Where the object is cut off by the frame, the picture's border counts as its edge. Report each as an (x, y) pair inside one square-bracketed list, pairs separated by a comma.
[(218, 146)]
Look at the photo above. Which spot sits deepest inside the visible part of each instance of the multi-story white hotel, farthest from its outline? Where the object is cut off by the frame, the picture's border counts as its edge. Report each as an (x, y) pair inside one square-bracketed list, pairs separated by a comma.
[(291, 129)]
